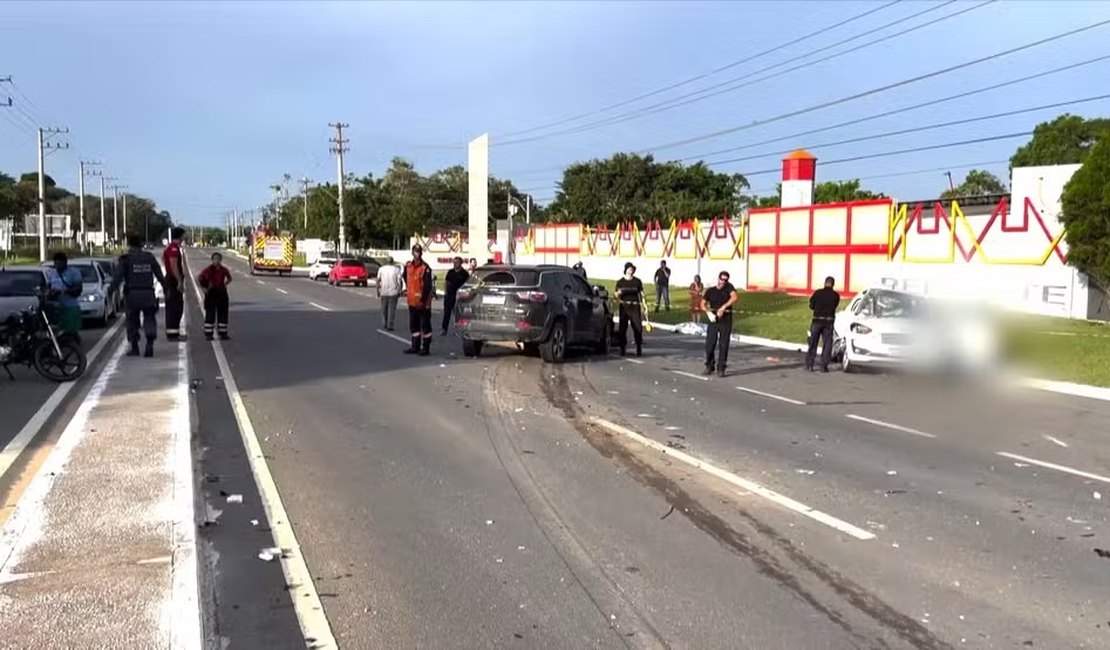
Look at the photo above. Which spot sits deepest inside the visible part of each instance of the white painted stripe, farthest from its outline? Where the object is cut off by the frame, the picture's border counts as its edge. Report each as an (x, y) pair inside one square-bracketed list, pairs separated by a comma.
[(186, 625), (771, 395), (1056, 441), (690, 375), (896, 427), (30, 431), (306, 601), (320, 307), (283, 291), (628, 359), (394, 337), (29, 512), (260, 282), (743, 483), (1059, 468)]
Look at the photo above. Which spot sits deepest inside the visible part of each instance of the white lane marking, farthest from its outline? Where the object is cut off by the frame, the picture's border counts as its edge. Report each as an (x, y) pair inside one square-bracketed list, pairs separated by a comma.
[(30, 431), (306, 601), (1060, 468), (394, 337), (743, 483), (260, 282), (320, 307), (186, 627), (690, 375), (26, 521), (1056, 441), (629, 360), (283, 291), (896, 427), (771, 395)]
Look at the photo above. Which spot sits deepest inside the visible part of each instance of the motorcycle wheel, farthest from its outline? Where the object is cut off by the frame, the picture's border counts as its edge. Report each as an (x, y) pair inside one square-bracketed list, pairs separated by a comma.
[(68, 367)]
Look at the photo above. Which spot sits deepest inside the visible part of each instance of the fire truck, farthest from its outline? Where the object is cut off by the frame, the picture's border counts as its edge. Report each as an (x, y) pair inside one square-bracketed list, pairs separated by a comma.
[(271, 251)]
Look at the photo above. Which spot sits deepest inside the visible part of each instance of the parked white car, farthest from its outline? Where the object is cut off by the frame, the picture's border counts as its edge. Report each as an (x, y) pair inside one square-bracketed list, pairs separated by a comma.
[(96, 304), (321, 268), (883, 327)]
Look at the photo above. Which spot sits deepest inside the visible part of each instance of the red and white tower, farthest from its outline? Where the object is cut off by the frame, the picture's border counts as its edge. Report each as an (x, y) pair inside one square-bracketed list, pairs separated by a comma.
[(799, 169)]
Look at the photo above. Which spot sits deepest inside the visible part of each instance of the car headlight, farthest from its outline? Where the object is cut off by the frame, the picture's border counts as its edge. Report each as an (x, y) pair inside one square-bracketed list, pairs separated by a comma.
[(93, 297), (860, 328)]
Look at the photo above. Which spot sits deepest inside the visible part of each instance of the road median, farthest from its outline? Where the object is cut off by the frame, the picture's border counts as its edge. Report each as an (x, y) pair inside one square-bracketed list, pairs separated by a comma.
[(100, 550)]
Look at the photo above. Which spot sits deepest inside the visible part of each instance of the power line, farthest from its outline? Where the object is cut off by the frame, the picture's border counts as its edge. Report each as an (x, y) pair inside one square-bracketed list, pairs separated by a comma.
[(716, 89), (884, 154), (877, 90), (705, 74), (916, 129), (933, 102)]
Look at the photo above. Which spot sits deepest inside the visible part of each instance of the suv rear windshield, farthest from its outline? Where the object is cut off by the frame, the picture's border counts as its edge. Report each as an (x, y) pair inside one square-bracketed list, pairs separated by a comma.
[(20, 283), (505, 277)]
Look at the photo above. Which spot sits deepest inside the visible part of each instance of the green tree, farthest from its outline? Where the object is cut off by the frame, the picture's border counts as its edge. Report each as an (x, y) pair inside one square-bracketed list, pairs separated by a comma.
[(977, 183), (1086, 215), (1068, 139), (842, 192)]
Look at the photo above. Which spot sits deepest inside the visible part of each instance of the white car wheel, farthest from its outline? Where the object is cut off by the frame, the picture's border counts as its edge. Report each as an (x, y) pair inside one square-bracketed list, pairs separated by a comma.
[(846, 363)]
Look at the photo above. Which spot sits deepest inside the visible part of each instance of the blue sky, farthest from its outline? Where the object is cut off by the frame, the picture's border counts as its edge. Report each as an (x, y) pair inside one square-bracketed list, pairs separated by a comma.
[(201, 106)]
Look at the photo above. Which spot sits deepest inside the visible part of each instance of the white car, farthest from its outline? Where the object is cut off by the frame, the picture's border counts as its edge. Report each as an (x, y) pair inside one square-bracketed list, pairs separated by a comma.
[(321, 268), (96, 303), (883, 327)]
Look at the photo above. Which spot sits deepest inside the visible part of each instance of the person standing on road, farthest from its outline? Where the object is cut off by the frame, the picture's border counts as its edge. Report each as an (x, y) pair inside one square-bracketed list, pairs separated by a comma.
[(66, 283), (175, 283), (823, 302), (137, 270), (663, 285), (696, 291), (717, 303), (213, 281), (418, 284), (452, 282), (630, 295), (389, 290)]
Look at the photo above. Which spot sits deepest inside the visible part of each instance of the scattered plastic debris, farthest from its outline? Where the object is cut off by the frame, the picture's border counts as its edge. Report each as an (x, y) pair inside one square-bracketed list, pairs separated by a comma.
[(892, 473), (613, 392), (672, 428), (644, 415), (518, 409), (499, 560), (520, 548), (895, 545), (1055, 440), (1097, 495), (270, 554), (235, 498), (443, 365), (489, 522), (254, 522), (1021, 464), (808, 472)]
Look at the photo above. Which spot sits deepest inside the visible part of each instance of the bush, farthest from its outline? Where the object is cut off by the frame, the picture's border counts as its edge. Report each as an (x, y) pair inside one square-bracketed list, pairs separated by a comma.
[(1086, 215)]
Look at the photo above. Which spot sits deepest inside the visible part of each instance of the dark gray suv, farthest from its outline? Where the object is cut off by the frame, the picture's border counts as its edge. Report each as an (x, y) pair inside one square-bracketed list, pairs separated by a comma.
[(546, 309)]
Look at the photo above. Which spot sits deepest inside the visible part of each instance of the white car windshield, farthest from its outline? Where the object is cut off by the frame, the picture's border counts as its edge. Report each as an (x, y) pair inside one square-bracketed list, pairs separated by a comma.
[(892, 304)]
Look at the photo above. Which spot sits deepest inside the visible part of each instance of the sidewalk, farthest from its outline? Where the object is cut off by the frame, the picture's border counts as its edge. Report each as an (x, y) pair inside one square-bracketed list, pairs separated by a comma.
[(100, 552)]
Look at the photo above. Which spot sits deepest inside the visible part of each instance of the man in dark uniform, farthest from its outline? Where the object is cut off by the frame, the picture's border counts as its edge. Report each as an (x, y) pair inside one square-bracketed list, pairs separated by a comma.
[(630, 294), (717, 301), (823, 302), (138, 270), (175, 284), (453, 281)]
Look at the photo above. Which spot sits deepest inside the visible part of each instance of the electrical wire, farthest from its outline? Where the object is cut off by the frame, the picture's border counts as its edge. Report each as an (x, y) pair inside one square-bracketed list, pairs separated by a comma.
[(876, 90), (716, 89), (899, 152), (933, 102), (701, 76), (917, 129)]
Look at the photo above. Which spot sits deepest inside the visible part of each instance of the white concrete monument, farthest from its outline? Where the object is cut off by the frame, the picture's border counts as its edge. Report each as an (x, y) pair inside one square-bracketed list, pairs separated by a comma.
[(478, 201)]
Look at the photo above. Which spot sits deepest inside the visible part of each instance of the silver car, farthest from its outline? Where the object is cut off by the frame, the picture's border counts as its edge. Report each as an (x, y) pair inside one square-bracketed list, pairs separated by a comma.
[(95, 302), (19, 288)]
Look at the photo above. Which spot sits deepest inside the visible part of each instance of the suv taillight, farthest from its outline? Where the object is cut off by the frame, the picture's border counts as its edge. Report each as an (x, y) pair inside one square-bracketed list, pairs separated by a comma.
[(532, 296)]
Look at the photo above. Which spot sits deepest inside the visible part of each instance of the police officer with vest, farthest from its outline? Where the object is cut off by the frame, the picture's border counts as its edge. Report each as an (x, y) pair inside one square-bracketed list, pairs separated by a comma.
[(138, 270)]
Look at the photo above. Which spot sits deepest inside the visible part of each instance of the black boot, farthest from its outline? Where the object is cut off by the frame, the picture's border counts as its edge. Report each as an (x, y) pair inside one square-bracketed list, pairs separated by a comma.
[(149, 351), (426, 348), (133, 351), (639, 350), (708, 369), (224, 336), (415, 347)]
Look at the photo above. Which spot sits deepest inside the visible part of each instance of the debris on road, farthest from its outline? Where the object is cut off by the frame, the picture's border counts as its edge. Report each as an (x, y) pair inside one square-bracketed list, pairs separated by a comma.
[(674, 428), (892, 473), (1097, 495), (1103, 553), (1055, 440), (1021, 465), (669, 512), (270, 554), (235, 498), (489, 522), (254, 522), (807, 472)]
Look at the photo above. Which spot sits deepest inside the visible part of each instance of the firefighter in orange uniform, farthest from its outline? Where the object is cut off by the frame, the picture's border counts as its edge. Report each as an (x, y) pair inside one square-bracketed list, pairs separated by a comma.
[(419, 291)]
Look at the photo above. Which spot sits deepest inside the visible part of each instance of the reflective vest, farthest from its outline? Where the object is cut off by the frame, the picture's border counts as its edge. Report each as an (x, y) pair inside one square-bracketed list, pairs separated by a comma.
[(418, 284)]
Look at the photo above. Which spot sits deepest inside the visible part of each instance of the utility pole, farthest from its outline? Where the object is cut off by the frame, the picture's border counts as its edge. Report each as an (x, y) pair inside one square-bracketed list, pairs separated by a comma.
[(115, 210), (235, 228), (43, 146), (951, 185), (81, 199), (124, 210), (339, 149), (103, 228), (304, 189)]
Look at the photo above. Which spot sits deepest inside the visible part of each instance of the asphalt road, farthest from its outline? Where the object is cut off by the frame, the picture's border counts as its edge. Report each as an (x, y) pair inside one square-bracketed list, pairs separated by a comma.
[(446, 502), (21, 398)]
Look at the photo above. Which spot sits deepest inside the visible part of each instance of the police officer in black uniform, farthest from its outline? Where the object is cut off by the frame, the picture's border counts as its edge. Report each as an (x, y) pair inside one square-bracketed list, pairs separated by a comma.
[(630, 293), (138, 270)]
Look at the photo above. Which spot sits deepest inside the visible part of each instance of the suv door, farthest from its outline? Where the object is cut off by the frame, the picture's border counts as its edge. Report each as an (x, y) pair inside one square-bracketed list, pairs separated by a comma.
[(564, 302), (591, 309)]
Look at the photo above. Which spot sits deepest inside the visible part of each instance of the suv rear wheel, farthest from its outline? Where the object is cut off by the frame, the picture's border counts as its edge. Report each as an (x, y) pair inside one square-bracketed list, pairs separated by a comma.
[(554, 349), (471, 348)]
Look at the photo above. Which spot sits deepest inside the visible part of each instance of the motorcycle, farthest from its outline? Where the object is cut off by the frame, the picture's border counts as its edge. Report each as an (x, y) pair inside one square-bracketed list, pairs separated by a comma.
[(28, 338)]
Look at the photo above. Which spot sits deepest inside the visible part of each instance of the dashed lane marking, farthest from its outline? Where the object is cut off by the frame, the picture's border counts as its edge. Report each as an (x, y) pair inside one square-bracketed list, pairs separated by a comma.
[(771, 396), (740, 482), (1059, 468), (393, 336), (690, 375), (320, 307), (638, 362), (280, 290), (888, 425)]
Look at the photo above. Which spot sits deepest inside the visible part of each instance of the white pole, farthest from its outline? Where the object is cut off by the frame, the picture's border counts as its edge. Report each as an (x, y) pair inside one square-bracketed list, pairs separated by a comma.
[(81, 201), (115, 212), (42, 201), (103, 228)]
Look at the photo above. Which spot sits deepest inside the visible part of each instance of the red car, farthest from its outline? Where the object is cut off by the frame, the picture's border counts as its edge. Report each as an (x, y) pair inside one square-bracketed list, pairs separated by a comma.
[(348, 270)]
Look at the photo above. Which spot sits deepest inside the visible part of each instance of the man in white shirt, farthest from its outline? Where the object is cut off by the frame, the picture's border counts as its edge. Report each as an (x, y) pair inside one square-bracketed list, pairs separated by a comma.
[(389, 291)]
